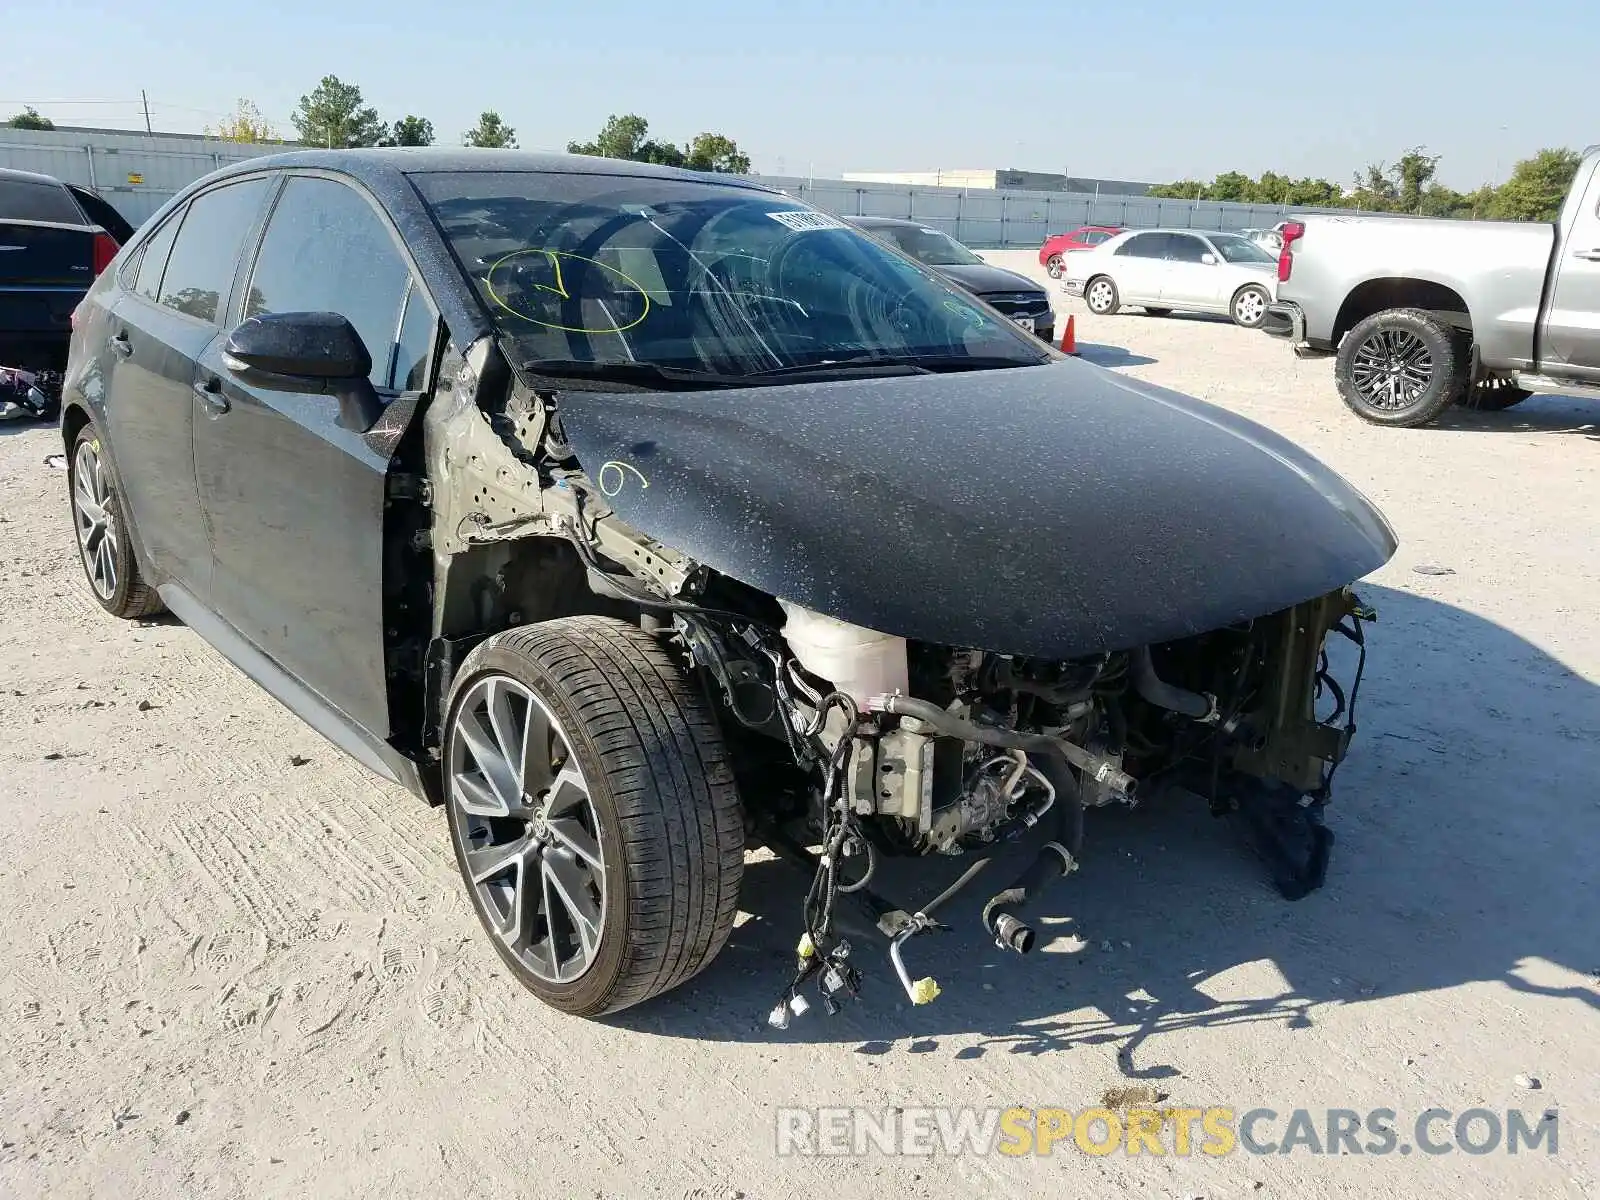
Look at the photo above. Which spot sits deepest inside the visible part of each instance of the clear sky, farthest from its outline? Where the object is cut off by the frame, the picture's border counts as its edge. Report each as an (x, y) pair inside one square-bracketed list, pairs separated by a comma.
[(1136, 89)]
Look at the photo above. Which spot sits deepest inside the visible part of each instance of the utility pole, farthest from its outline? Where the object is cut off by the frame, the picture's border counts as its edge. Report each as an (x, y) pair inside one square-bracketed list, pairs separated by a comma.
[(146, 99)]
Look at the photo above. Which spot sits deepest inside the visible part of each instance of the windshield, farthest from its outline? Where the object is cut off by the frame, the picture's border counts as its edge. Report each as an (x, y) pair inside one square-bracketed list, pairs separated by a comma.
[(1241, 250), (698, 277), (927, 245)]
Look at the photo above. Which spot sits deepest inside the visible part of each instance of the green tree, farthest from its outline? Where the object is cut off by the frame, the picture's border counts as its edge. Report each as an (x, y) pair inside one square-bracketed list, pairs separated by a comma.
[(627, 136), (1315, 193), (1537, 187), (1231, 186), (1412, 175), (622, 137), (491, 133), (29, 118), (245, 125), (714, 152), (1184, 189), (410, 131), (334, 115)]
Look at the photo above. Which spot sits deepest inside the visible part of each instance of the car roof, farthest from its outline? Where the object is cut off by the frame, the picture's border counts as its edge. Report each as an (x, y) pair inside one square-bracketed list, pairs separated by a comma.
[(12, 175), (388, 166)]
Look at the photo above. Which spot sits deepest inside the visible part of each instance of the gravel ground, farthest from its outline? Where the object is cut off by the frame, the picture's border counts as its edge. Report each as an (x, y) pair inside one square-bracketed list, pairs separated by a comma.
[(236, 965)]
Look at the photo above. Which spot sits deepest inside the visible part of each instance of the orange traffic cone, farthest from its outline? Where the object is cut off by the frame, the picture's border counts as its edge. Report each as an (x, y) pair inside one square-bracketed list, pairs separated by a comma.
[(1069, 337)]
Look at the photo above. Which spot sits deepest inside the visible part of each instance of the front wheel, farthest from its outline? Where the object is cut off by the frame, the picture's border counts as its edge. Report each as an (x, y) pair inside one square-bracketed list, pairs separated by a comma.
[(1054, 266), (1249, 306), (1399, 367), (593, 812), (1100, 294)]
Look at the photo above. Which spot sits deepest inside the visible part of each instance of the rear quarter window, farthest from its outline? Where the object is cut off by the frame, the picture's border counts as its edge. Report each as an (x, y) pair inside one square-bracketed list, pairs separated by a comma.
[(25, 200)]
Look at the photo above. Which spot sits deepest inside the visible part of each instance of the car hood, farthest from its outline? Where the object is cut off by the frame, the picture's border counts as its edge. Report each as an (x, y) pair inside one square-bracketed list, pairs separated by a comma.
[(1049, 511), (981, 279)]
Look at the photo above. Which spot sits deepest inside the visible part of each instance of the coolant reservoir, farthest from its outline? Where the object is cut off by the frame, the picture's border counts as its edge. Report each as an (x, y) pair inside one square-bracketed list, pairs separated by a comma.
[(858, 662)]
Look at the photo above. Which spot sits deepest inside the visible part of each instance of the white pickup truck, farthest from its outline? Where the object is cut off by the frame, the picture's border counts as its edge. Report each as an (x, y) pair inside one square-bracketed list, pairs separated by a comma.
[(1423, 314)]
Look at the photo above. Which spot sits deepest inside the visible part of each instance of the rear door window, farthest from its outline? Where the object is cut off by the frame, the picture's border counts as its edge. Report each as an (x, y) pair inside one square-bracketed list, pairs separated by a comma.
[(153, 258), (27, 200), (200, 269), (327, 250), (1145, 245)]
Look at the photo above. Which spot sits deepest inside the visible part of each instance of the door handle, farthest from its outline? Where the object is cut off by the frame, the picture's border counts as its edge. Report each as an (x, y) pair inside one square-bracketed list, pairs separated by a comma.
[(1589, 255), (210, 393), (120, 345)]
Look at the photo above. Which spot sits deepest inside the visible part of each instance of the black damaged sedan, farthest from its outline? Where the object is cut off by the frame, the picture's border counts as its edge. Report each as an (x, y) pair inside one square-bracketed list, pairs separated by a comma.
[(633, 515)]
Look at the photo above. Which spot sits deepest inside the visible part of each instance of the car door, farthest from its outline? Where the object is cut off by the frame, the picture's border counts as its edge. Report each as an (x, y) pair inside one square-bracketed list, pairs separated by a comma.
[(295, 501), (1139, 264), (1572, 330), (1189, 281), (157, 329)]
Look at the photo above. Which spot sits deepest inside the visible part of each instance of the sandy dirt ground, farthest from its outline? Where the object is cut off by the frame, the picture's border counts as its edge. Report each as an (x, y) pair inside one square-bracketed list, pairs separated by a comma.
[(233, 964)]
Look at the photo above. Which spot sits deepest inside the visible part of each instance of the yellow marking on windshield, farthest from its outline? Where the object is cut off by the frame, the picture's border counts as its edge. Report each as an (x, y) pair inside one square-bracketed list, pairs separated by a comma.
[(614, 476), (553, 257)]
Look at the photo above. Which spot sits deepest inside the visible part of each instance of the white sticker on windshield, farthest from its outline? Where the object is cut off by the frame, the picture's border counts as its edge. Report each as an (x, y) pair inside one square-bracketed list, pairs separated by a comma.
[(804, 222)]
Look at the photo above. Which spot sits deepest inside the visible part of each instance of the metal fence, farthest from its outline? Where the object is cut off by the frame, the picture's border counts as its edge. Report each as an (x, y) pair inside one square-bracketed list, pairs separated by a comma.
[(137, 173), (988, 219)]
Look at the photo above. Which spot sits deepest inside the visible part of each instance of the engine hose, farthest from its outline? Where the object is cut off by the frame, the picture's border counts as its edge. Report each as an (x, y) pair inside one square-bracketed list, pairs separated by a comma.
[(1163, 695), (1095, 766), (1055, 859)]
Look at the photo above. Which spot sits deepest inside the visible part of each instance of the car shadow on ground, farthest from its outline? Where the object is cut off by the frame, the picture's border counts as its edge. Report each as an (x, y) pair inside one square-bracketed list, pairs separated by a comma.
[(1536, 414), (1112, 356), (1466, 822)]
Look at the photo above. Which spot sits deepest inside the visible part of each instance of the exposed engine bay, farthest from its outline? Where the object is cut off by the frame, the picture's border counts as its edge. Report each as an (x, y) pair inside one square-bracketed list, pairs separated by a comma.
[(853, 745)]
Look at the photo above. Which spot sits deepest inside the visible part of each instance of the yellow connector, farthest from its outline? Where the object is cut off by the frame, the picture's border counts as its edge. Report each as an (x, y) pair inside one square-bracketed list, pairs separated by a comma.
[(924, 990), (806, 947)]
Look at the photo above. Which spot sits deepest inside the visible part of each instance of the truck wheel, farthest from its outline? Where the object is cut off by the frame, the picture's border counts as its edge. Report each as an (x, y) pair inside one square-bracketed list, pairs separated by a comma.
[(1399, 367), (1053, 265), (1249, 306), (1493, 395), (593, 812), (1100, 294)]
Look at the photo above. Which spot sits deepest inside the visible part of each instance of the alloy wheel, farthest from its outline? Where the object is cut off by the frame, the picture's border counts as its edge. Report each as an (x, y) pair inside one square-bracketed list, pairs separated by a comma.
[(1053, 266), (1099, 297), (95, 520), (1250, 307), (529, 832), (1391, 369)]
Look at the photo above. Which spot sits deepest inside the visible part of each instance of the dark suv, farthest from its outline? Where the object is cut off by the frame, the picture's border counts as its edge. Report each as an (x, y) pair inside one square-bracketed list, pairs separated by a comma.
[(632, 514), (55, 238)]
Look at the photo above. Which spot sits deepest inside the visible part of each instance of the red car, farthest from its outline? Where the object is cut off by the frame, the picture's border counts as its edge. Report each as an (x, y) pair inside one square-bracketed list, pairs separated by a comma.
[(1086, 238)]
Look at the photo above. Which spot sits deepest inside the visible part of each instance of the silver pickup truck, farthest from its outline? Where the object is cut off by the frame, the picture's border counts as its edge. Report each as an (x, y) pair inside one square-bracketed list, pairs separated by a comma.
[(1424, 314)]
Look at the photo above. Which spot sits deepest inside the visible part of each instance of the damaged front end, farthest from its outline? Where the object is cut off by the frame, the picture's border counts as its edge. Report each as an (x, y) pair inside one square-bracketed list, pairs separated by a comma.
[(873, 712)]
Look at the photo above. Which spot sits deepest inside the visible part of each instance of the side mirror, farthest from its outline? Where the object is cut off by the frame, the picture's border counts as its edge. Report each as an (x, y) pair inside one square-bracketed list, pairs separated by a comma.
[(315, 352), (1209, 259)]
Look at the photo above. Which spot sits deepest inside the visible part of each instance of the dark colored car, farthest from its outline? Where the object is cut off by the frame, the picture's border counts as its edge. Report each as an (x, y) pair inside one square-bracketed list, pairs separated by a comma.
[(1017, 296), (1052, 255), (633, 514), (55, 238)]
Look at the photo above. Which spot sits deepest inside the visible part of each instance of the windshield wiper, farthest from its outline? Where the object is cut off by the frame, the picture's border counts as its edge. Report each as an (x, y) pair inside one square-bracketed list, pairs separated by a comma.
[(610, 372), (565, 372)]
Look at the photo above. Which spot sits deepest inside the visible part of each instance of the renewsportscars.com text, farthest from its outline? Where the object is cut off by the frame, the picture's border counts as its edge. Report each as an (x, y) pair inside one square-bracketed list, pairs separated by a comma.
[(1213, 1132)]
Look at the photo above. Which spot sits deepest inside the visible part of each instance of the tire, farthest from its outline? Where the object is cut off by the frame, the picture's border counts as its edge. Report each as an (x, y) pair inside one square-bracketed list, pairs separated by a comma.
[(1248, 308), (1399, 367), (1157, 312), (100, 522), (637, 826), (1054, 266), (1492, 395), (1100, 295)]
